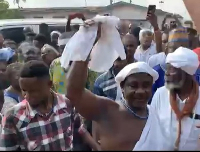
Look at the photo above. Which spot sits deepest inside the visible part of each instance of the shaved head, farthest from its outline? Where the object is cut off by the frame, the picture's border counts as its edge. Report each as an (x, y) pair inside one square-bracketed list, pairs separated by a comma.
[(129, 37), (130, 43)]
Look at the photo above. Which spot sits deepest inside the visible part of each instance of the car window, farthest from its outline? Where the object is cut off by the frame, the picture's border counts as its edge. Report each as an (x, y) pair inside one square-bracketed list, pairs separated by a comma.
[(15, 34)]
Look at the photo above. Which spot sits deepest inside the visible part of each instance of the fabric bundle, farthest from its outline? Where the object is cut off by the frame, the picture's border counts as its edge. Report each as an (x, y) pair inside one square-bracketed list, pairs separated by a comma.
[(107, 49)]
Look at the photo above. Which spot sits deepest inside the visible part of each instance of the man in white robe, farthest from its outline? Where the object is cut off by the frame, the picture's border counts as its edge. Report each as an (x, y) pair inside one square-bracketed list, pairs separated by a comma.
[(177, 104)]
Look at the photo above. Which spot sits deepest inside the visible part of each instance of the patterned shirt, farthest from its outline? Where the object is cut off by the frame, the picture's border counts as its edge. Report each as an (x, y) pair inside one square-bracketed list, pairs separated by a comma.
[(25, 128), (58, 76), (106, 86)]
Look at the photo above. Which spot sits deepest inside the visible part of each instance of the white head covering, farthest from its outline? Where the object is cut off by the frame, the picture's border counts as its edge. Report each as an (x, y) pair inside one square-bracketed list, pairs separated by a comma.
[(138, 67), (55, 32), (185, 59)]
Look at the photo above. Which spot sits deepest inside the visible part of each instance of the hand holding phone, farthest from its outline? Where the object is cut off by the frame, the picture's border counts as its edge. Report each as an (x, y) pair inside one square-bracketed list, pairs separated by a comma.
[(151, 9)]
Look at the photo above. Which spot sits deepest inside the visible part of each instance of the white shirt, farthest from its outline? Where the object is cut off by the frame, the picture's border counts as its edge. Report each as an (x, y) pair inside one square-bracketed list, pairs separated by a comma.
[(157, 59), (144, 55), (169, 124)]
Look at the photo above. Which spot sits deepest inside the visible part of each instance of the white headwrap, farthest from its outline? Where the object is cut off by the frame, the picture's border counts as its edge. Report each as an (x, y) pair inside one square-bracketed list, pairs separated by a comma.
[(138, 67), (185, 59)]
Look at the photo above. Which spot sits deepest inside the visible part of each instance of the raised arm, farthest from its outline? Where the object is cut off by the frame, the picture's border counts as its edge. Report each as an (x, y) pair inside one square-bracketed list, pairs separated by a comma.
[(152, 18), (90, 106)]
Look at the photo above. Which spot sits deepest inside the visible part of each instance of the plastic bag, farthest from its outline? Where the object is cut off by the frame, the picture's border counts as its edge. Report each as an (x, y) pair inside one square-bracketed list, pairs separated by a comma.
[(108, 48)]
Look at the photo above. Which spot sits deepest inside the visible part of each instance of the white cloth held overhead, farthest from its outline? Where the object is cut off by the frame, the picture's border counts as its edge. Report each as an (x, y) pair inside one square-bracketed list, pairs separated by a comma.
[(138, 67), (108, 48), (185, 59)]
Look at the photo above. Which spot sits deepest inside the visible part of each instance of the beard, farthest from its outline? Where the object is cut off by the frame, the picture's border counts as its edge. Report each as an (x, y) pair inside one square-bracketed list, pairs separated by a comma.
[(172, 86)]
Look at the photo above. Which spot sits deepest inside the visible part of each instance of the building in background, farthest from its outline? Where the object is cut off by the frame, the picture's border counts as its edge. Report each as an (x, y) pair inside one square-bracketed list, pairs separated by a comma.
[(126, 11)]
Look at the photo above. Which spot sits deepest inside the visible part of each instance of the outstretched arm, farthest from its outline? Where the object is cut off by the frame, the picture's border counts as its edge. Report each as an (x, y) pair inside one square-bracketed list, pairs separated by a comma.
[(89, 105)]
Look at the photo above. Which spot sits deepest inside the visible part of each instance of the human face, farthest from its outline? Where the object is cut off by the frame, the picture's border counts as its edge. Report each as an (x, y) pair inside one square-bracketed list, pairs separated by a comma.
[(119, 65), (31, 54), (4, 81), (130, 43), (172, 46), (38, 44), (174, 77), (48, 58), (137, 89), (146, 41), (35, 90)]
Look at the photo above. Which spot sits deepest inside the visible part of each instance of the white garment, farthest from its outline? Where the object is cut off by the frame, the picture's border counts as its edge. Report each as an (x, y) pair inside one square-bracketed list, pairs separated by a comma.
[(144, 55), (152, 137), (157, 59), (185, 59), (138, 67), (108, 48), (169, 124)]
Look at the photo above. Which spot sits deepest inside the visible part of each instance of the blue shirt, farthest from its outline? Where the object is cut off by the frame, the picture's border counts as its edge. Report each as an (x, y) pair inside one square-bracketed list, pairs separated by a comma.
[(106, 86)]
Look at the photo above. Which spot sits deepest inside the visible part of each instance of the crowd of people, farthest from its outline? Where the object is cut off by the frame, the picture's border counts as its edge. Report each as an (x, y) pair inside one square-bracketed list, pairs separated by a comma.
[(149, 101)]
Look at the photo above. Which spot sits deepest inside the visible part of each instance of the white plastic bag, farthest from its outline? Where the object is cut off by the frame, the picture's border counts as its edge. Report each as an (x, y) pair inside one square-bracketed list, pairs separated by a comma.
[(108, 48), (79, 46)]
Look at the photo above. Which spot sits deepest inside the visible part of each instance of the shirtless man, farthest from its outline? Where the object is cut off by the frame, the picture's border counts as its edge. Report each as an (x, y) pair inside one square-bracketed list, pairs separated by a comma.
[(120, 126)]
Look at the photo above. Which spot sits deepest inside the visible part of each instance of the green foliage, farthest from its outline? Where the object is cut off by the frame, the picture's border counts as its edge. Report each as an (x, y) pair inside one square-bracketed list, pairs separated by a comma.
[(6, 13)]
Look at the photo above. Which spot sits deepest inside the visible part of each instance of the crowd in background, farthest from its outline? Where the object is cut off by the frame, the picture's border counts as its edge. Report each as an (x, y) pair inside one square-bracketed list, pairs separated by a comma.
[(35, 113)]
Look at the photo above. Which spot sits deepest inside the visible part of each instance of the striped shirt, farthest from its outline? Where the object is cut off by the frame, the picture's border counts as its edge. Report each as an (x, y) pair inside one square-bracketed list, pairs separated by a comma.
[(106, 86), (24, 128)]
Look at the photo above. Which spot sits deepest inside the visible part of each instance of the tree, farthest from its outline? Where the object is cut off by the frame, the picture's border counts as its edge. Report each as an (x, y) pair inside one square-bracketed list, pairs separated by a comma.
[(18, 2), (6, 13)]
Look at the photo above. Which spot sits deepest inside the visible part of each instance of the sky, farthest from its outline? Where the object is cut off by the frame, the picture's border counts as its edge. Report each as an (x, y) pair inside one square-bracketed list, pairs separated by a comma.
[(173, 6)]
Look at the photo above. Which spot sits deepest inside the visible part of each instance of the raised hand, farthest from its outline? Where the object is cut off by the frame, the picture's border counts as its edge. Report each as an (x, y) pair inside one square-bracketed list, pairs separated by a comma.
[(152, 18)]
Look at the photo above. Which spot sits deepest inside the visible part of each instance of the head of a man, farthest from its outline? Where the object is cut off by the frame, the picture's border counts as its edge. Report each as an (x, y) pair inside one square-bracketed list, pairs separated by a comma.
[(146, 38), (30, 52), (135, 31), (123, 27), (181, 66), (136, 82), (48, 54), (10, 43), (30, 36), (13, 73), (27, 30), (54, 37), (40, 40), (177, 37), (35, 82), (130, 43)]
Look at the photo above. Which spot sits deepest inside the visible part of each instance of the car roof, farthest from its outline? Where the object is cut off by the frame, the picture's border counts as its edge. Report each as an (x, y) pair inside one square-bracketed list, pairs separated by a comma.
[(37, 21)]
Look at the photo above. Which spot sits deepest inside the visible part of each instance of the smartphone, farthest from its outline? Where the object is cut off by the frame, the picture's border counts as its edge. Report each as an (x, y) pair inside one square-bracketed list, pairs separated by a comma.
[(151, 9)]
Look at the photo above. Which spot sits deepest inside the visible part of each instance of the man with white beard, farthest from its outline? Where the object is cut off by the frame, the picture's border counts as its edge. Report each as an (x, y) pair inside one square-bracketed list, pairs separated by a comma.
[(177, 104)]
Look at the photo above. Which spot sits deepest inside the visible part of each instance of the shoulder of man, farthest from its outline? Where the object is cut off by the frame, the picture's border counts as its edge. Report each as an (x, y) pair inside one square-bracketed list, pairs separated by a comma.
[(16, 109)]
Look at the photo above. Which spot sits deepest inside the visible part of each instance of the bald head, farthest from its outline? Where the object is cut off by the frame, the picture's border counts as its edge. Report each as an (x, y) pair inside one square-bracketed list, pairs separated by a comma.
[(130, 43), (123, 27)]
